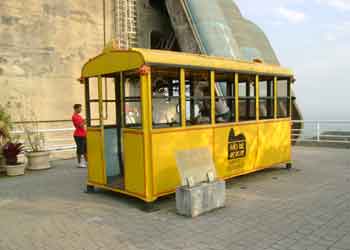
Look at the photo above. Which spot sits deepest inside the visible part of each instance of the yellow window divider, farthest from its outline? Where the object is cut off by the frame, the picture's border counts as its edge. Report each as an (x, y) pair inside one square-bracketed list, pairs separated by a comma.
[(275, 97), (237, 97), (183, 97), (290, 97), (100, 101), (212, 93), (257, 98)]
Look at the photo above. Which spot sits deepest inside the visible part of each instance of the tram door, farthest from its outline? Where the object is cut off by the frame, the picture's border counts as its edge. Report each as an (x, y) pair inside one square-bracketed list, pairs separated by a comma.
[(104, 132), (112, 131)]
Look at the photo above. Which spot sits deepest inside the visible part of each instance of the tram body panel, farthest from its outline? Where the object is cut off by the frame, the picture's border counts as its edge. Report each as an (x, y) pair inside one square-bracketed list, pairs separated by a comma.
[(274, 143), (235, 157), (134, 163), (95, 151), (164, 148), (258, 146)]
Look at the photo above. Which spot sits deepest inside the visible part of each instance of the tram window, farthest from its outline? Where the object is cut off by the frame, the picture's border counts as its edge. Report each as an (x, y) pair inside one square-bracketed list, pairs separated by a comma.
[(283, 97), (92, 111), (247, 97), (198, 98), (165, 97), (109, 101), (132, 99), (93, 88), (225, 97), (266, 97)]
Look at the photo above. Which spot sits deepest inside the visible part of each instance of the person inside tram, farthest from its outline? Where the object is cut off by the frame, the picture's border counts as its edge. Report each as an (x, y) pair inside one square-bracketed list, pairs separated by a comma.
[(222, 111), (201, 107)]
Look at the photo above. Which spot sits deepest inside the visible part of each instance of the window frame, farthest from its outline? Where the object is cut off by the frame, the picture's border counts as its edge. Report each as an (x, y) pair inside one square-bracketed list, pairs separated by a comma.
[(287, 99), (192, 99), (270, 97), (105, 100), (169, 97), (253, 80), (230, 87), (248, 97), (131, 99)]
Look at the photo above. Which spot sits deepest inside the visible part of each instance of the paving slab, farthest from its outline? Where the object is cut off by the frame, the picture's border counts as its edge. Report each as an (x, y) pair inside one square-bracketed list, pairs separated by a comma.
[(307, 207)]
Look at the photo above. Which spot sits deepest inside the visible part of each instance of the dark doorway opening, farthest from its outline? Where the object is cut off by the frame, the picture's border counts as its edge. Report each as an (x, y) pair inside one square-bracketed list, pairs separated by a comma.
[(158, 4), (163, 41)]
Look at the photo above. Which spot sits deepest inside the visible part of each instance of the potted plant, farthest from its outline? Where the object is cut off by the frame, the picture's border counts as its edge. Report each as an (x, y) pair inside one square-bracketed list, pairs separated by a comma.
[(2, 158), (38, 157), (5, 127), (11, 150)]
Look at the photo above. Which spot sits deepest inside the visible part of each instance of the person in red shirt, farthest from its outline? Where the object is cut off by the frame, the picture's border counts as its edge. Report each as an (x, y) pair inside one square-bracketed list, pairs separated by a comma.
[(79, 135)]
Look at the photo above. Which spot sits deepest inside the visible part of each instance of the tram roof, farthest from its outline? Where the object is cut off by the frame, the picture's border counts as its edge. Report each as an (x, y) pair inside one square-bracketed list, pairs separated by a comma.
[(121, 60)]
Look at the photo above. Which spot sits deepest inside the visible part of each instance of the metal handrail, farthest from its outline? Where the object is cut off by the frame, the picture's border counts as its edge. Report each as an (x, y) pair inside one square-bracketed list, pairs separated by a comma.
[(46, 130), (300, 135), (57, 147), (321, 121), (320, 131)]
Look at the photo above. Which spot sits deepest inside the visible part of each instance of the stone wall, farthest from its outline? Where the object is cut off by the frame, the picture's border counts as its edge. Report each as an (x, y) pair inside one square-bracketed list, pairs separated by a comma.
[(43, 46), (45, 43)]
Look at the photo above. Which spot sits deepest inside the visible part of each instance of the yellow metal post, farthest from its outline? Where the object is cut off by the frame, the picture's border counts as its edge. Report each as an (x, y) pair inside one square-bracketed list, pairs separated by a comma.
[(212, 96), (257, 99), (121, 86), (100, 101), (237, 97), (86, 101), (183, 97), (275, 97), (290, 97), (100, 109), (146, 102)]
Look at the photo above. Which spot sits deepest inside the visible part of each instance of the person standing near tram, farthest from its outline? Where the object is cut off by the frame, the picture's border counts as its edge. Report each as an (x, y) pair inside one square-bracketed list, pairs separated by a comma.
[(79, 135)]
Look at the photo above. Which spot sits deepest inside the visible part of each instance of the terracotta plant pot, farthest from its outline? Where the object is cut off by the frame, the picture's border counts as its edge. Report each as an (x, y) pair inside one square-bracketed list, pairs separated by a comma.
[(15, 170), (38, 160)]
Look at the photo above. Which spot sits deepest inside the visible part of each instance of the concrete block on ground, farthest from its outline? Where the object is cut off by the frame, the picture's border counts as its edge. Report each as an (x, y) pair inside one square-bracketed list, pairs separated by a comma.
[(202, 198)]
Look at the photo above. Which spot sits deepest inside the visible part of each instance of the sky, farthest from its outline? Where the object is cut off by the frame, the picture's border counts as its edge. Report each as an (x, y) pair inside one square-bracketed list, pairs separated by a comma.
[(312, 37)]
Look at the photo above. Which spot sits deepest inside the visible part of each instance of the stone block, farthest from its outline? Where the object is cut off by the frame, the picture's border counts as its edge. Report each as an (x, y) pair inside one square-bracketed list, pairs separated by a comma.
[(202, 198), (195, 164)]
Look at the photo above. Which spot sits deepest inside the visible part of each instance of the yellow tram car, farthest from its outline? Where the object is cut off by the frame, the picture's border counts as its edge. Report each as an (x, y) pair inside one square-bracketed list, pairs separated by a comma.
[(142, 106)]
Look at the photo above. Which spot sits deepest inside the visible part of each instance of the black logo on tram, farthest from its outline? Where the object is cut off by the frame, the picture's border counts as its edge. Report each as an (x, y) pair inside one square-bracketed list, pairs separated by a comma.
[(237, 146)]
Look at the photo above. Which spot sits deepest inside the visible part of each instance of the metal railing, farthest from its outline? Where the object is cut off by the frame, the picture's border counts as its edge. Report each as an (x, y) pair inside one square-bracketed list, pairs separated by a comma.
[(331, 132), (55, 142)]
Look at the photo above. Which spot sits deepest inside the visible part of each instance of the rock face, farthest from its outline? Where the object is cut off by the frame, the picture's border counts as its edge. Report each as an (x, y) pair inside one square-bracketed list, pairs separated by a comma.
[(42, 48)]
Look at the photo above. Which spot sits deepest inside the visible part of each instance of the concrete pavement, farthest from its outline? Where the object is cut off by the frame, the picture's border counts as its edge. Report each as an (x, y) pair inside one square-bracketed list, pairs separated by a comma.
[(307, 207)]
